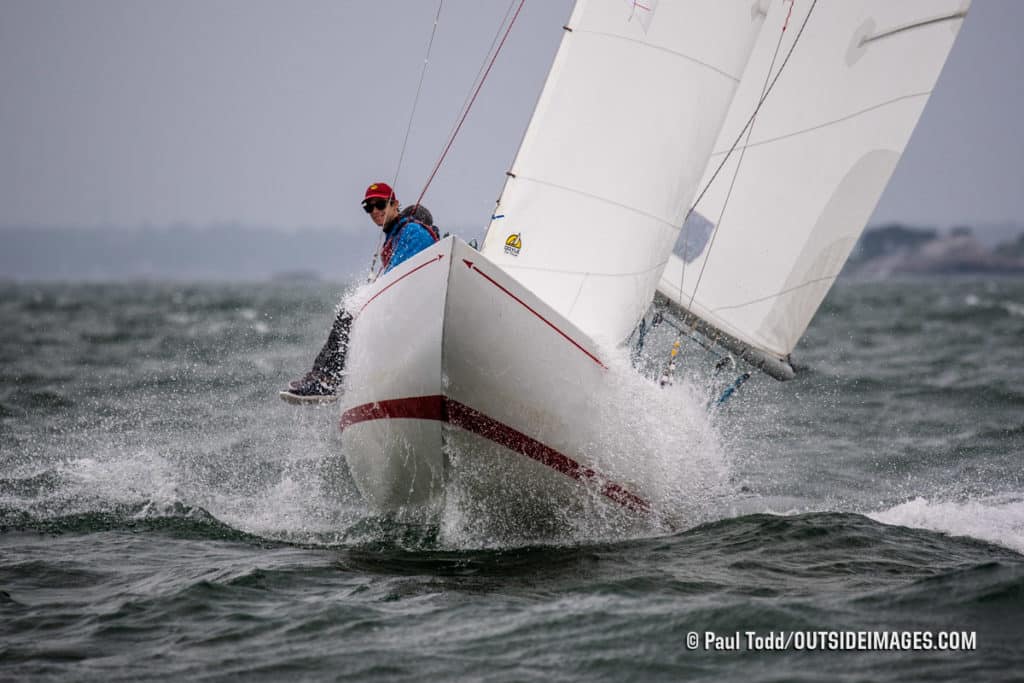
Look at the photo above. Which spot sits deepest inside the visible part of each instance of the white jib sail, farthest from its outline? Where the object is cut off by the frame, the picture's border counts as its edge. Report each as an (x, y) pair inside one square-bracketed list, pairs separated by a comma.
[(612, 157), (775, 227)]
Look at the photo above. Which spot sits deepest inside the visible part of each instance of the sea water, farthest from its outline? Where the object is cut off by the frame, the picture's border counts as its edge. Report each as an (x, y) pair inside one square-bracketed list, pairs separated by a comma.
[(163, 516)]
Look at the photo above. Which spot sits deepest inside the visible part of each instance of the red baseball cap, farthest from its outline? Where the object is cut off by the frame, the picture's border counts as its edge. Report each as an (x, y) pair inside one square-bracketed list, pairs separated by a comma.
[(379, 191)]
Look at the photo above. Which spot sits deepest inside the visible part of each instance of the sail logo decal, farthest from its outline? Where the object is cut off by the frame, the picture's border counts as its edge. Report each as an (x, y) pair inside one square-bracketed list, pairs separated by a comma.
[(513, 244)]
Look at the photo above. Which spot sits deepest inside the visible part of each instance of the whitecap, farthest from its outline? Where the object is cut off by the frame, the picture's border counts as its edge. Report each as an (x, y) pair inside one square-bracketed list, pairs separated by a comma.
[(997, 519)]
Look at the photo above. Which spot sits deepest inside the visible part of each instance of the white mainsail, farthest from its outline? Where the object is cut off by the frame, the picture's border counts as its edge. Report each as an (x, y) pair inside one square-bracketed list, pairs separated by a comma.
[(775, 227), (612, 157)]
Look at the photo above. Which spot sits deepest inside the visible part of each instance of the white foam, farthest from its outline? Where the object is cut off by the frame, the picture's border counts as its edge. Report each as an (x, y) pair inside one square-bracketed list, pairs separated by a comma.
[(1014, 308), (140, 475), (659, 444), (663, 438), (998, 519)]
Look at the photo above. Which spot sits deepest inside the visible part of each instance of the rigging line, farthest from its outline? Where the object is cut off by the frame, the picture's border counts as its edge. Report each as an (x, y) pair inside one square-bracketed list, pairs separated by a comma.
[(662, 222), (684, 331), (408, 128), (419, 89), (739, 162), (462, 120), (483, 64), (490, 50), (743, 132), (686, 233), (757, 108), (371, 276), (834, 122), (650, 46)]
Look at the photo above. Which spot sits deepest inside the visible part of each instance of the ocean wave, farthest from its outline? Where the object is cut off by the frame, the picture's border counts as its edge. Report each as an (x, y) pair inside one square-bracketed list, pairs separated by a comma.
[(997, 520), (179, 521)]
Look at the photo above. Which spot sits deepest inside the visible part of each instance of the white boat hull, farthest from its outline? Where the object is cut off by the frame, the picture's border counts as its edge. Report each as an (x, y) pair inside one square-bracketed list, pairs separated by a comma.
[(465, 388)]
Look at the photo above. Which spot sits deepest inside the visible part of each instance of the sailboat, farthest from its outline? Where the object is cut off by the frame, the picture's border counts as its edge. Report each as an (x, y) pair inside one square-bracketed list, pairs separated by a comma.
[(478, 375)]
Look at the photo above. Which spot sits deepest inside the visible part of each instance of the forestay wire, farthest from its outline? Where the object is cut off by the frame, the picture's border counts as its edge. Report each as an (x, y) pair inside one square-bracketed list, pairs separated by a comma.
[(483, 66), (747, 130), (408, 128), (419, 89), (472, 100)]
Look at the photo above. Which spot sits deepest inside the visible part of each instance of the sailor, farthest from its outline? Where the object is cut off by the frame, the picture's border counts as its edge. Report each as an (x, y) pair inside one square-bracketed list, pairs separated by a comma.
[(406, 233)]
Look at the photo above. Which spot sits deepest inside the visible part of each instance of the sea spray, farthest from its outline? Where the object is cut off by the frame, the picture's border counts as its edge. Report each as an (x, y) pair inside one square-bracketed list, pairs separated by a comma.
[(997, 519), (663, 438), (644, 443)]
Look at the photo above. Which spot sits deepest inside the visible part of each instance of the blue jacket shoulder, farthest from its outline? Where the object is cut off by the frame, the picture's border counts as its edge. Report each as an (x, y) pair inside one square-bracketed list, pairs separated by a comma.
[(411, 239)]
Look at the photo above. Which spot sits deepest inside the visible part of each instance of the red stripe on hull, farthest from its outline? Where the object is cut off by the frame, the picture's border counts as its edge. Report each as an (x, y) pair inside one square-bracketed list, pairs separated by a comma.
[(419, 408), (525, 305), (432, 261), (444, 409)]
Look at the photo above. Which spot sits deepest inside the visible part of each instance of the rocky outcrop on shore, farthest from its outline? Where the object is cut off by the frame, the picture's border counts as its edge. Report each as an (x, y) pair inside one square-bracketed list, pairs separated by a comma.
[(903, 250)]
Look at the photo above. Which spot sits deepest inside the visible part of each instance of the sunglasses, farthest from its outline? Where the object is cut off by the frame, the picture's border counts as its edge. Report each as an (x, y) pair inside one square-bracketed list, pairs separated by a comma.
[(370, 204)]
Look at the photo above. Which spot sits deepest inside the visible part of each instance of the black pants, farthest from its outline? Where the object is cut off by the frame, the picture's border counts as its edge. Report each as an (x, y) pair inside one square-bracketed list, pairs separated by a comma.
[(330, 362)]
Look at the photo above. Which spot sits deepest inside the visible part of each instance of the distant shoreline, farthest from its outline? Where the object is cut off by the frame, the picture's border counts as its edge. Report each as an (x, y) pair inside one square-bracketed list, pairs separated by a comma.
[(234, 253), (900, 250)]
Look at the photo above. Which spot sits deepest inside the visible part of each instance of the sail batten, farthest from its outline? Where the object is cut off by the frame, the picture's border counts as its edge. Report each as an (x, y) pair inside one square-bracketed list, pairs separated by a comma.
[(916, 25), (731, 76), (827, 124)]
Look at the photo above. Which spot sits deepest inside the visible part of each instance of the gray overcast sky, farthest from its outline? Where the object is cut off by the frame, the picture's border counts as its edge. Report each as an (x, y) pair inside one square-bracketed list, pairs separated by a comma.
[(272, 113)]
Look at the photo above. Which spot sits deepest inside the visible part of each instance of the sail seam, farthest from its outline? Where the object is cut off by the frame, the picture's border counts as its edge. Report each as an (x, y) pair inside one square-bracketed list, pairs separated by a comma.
[(768, 84), (586, 273), (688, 58), (604, 200), (833, 122), (579, 293), (750, 122), (826, 278)]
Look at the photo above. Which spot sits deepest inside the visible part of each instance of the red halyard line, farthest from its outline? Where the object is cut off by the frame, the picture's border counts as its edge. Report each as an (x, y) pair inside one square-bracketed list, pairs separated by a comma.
[(444, 409), (785, 24), (436, 259), (531, 310), (469, 106)]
